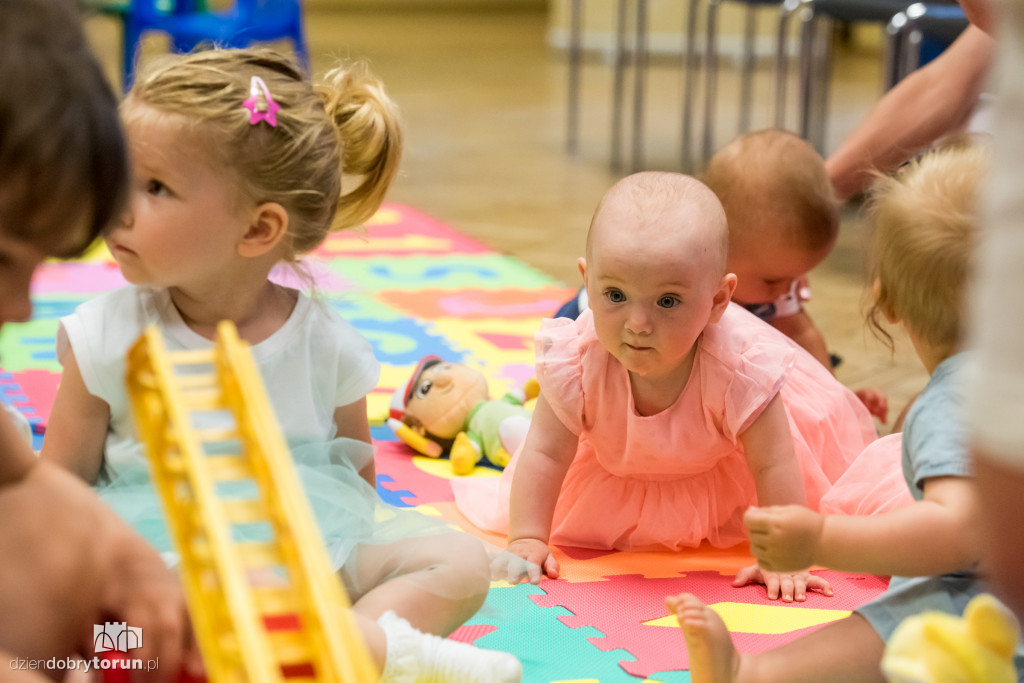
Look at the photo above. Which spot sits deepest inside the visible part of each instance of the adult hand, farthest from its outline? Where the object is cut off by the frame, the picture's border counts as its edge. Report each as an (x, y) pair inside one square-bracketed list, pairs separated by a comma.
[(136, 587)]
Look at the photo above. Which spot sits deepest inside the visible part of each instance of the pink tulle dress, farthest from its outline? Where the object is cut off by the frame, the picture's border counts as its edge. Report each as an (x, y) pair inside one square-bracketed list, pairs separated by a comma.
[(674, 479), (873, 483)]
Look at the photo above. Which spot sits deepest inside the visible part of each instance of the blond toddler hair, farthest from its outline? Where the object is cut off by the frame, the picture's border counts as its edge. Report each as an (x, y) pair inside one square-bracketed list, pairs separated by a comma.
[(926, 223), (345, 129)]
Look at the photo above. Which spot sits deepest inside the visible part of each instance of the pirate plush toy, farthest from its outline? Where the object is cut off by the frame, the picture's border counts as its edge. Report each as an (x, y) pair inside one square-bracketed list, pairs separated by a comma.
[(445, 408)]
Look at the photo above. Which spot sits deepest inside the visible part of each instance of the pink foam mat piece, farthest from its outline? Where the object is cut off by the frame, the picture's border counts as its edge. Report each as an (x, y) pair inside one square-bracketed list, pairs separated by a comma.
[(619, 607), (478, 303), (86, 277), (396, 459), (400, 229), (39, 388), (470, 632)]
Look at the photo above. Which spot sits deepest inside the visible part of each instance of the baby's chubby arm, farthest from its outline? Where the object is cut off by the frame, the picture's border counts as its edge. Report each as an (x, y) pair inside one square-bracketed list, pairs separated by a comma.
[(932, 536), (768, 446), (78, 425), (549, 450)]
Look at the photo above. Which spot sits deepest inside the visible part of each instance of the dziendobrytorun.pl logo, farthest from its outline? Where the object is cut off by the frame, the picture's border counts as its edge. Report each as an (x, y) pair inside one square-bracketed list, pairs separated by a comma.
[(108, 637), (116, 636)]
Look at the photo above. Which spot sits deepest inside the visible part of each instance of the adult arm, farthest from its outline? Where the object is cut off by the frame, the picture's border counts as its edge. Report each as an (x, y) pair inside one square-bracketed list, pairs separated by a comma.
[(934, 100), (995, 392), (1001, 492), (78, 425), (547, 453), (16, 458), (15, 670), (70, 562)]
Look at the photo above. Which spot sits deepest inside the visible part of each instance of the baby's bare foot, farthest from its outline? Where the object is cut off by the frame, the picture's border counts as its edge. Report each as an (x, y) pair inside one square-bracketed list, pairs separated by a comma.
[(713, 658)]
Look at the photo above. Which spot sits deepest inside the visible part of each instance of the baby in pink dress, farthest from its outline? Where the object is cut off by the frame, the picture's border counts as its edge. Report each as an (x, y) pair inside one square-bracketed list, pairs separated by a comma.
[(665, 411)]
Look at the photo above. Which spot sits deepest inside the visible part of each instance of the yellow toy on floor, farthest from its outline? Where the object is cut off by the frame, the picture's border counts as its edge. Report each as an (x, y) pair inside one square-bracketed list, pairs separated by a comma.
[(445, 408), (935, 647), (248, 628)]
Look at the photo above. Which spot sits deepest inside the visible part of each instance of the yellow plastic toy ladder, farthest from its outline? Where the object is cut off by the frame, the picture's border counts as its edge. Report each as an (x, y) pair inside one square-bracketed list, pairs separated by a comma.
[(222, 467)]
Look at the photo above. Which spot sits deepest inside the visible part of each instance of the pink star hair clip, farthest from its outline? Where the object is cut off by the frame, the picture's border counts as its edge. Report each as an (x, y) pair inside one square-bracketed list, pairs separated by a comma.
[(263, 108)]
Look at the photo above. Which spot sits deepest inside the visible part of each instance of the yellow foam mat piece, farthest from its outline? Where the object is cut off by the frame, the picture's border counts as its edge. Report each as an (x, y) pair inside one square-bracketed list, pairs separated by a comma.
[(769, 619), (442, 467)]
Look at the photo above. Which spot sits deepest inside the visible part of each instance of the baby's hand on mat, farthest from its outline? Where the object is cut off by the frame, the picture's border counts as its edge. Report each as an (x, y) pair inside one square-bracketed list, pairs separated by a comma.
[(784, 537), (790, 587), (528, 558)]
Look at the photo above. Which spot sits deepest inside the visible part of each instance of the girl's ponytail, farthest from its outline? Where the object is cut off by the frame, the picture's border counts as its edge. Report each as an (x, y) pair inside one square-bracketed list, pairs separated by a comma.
[(370, 133)]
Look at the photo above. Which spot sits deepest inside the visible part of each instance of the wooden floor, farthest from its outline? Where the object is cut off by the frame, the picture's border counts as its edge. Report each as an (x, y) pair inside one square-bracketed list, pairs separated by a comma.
[(484, 100)]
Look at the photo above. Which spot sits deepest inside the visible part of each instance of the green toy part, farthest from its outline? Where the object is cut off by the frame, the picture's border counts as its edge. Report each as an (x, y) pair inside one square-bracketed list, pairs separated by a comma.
[(494, 431)]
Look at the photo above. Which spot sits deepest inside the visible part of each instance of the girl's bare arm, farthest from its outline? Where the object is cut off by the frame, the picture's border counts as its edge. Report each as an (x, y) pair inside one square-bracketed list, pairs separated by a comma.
[(77, 430), (353, 423)]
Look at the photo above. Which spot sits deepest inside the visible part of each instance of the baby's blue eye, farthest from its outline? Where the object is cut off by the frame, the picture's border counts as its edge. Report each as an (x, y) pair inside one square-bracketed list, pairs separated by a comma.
[(668, 302), (615, 296)]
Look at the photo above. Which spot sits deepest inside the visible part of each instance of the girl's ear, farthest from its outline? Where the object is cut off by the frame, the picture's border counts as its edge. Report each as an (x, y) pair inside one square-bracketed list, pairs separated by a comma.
[(722, 296), (582, 265), (268, 227)]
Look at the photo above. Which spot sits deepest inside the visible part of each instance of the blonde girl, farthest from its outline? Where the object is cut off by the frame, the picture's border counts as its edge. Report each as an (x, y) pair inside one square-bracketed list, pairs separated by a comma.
[(241, 164)]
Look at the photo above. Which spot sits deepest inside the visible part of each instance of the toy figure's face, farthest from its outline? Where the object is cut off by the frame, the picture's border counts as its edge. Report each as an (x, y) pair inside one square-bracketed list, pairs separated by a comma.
[(443, 397)]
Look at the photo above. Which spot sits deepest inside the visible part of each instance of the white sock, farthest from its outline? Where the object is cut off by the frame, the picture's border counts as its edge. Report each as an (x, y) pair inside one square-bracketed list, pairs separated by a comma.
[(417, 657)]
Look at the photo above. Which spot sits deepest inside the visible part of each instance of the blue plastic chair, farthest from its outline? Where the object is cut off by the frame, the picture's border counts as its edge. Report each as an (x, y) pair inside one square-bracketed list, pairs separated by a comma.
[(189, 25)]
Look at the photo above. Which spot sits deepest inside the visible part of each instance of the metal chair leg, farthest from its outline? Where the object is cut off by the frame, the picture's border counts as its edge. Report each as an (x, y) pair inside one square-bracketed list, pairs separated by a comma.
[(689, 85), (640, 56), (805, 76), (789, 7), (711, 77), (618, 86), (575, 65), (747, 70), (910, 49), (822, 62)]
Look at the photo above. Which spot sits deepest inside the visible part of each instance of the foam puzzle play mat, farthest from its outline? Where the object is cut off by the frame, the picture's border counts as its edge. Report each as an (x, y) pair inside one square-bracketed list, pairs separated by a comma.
[(414, 286)]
